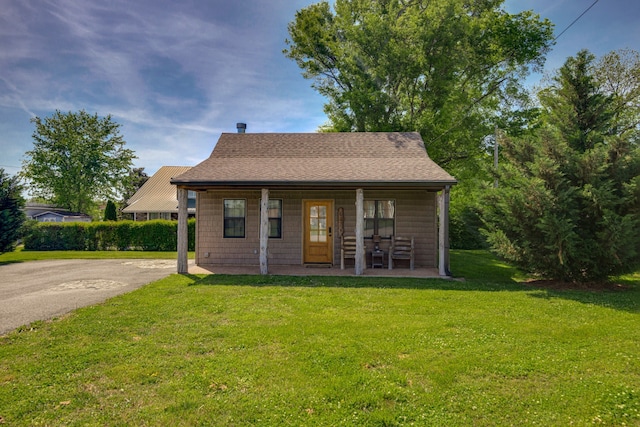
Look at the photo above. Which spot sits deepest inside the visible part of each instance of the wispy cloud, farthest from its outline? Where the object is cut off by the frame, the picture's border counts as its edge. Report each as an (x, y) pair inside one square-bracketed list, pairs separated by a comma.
[(170, 74), (177, 74)]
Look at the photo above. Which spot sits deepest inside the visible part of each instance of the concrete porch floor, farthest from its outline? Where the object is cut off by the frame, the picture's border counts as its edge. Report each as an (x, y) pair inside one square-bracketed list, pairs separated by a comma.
[(301, 270)]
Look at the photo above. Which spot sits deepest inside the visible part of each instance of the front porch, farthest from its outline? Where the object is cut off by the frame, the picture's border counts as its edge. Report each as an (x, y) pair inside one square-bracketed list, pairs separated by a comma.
[(301, 270), (419, 214), (270, 199)]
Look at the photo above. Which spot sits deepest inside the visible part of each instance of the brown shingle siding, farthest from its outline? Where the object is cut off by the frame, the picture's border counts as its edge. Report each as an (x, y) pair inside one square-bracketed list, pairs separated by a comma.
[(415, 216)]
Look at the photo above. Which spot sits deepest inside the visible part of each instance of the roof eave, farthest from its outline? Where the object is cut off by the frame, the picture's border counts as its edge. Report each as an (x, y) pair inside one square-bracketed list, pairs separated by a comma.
[(316, 185)]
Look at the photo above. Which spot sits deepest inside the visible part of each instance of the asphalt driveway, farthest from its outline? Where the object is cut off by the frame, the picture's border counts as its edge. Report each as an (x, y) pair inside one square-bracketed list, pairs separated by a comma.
[(41, 290)]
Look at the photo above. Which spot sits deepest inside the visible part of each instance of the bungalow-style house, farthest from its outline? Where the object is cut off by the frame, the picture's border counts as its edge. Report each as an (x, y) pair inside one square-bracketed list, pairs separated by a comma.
[(157, 198), (294, 198), (51, 213)]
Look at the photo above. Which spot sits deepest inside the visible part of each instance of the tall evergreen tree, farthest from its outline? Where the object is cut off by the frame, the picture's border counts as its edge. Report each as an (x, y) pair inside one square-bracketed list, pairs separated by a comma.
[(11, 214), (568, 205), (110, 213)]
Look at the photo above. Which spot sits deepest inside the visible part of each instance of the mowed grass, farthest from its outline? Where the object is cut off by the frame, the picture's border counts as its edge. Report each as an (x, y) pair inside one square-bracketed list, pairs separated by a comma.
[(22, 255), (332, 351)]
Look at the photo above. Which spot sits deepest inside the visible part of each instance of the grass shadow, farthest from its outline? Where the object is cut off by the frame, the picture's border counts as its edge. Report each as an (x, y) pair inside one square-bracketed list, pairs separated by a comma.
[(481, 270), (623, 300), (482, 266), (10, 262), (349, 282)]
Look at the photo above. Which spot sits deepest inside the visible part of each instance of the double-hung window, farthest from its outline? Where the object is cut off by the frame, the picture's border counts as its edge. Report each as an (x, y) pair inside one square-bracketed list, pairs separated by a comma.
[(275, 218), (191, 199), (379, 218), (235, 213)]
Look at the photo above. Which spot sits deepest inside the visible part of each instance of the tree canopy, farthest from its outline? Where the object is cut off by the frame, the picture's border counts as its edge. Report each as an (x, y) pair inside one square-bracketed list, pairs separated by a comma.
[(77, 160), (568, 205), (11, 214), (437, 67)]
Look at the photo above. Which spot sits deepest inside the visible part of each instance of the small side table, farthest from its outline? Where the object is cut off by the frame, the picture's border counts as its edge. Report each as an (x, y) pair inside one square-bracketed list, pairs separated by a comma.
[(377, 259)]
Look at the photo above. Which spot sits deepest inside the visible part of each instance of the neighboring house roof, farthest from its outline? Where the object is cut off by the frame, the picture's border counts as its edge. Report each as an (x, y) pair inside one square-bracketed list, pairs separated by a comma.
[(63, 214), (317, 160), (36, 210), (33, 209), (157, 194)]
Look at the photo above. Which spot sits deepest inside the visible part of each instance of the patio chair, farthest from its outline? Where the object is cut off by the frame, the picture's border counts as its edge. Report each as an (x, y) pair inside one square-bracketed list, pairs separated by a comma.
[(347, 249), (401, 248)]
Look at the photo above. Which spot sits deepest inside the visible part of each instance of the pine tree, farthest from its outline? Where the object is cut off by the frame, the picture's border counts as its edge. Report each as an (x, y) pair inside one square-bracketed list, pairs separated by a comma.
[(11, 215), (568, 206), (110, 213)]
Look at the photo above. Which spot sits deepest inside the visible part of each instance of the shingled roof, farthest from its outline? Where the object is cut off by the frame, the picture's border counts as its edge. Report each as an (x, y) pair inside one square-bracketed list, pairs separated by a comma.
[(157, 194), (317, 160)]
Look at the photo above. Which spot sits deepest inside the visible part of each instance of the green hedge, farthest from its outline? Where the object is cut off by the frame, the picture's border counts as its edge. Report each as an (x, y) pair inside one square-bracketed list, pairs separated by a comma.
[(156, 235)]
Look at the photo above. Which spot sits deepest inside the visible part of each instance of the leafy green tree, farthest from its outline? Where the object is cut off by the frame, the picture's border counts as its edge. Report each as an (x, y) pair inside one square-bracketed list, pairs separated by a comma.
[(11, 214), (568, 204), (136, 179), (437, 67), (110, 213), (618, 74), (77, 160)]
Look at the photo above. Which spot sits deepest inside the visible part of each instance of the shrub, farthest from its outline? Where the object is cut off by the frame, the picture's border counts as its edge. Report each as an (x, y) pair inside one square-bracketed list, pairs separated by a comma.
[(110, 213), (157, 235)]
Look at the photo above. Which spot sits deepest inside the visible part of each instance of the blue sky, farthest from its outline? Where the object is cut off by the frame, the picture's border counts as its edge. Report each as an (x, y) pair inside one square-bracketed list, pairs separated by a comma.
[(177, 74)]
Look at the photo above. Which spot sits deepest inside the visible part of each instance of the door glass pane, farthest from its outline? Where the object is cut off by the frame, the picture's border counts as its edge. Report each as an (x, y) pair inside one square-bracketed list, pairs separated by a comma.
[(322, 230), (313, 224), (318, 224)]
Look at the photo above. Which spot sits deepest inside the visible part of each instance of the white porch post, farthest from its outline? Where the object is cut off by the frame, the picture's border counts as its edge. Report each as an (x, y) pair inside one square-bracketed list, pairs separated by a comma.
[(443, 232), (360, 255), (264, 231), (183, 232)]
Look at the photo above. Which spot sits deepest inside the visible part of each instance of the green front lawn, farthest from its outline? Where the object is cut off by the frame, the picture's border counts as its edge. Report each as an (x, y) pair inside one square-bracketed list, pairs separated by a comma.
[(21, 255), (329, 351)]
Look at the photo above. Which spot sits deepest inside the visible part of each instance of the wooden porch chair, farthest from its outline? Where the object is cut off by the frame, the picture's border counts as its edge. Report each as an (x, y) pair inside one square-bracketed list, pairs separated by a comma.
[(401, 248), (347, 249)]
